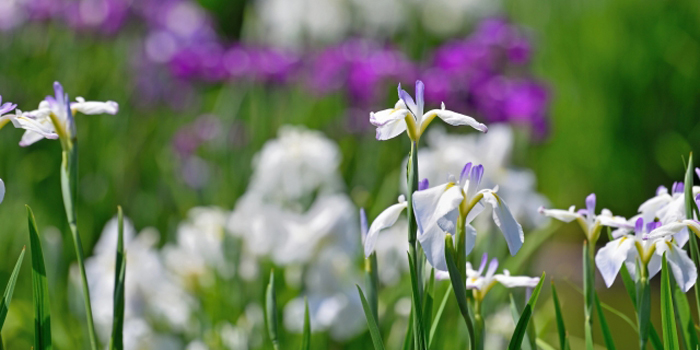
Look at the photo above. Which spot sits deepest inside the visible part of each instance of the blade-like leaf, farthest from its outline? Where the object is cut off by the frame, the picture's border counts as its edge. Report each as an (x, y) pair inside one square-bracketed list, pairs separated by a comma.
[(668, 318), (438, 315), (271, 311), (117, 341), (40, 289), (607, 335), (521, 328), (9, 289), (689, 206), (460, 290), (561, 328), (428, 300), (371, 323), (306, 335), (408, 339), (685, 319), (418, 331)]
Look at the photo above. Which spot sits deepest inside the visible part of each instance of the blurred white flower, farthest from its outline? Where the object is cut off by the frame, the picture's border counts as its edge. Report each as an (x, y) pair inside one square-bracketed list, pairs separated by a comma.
[(150, 293), (199, 246), (447, 153), (290, 22), (334, 304), (296, 165)]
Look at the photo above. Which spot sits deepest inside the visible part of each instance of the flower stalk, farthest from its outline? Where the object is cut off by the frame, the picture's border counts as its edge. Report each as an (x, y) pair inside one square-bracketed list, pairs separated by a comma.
[(588, 292), (69, 186), (416, 274)]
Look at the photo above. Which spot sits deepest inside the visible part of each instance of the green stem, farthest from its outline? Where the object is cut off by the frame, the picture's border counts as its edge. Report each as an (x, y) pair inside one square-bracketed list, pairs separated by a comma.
[(69, 186), (643, 305), (372, 281), (412, 243), (479, 330), (588, 290)]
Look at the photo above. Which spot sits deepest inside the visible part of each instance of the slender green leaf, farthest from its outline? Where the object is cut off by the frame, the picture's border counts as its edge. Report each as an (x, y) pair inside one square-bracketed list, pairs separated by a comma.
[(685, 319), (372, 283), (544, 345), (561, 328), (438, 315), (460, 289), (271, 311), (668, 318), (588, 290), (9, 289), (408, 339), (521, 328), (689, 206), (418, 331), (306, 335), (371, 322), (428, 300), (117, 341), (607, 335), (40, 289)]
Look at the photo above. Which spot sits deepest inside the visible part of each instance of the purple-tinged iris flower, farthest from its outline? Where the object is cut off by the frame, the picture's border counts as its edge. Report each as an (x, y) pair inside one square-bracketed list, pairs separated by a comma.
[(438, 210), (591, 224), (54, 117), (407, 115)]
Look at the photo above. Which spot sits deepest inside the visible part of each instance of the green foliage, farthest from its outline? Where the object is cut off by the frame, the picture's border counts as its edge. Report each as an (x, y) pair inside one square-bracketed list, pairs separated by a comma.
[(521, 327), (371, 323), (42, 313), (668, 317), (561, 328), (271, 311), (9, 289), (117, 341)]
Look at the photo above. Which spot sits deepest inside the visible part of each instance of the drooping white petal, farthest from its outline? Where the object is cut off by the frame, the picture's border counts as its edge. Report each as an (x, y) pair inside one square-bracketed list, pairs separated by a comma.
[(94, 107), (516, 281), (476, 210), (2, 190), (560, 214), (609, 259), (29, 138), (667, 230), (683, 268), (386, 219), (469, 238), (388, 115), (504, 219), (390, 130), (432, 239), (607, 219), (434, 203), (453, 118)]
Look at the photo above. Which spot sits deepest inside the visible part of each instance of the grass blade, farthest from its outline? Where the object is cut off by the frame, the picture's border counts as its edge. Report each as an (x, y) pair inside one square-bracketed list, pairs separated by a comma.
[(460, 290), (418, 332), (7, 295), (371, 322), (306, 335), (428, 300), (561, 328), (40, 289), (668, 319), (521, 328), (117, 341), (271, 311), (438, 315), (689, 206), (685, 319), (408, 339), (607, 335)]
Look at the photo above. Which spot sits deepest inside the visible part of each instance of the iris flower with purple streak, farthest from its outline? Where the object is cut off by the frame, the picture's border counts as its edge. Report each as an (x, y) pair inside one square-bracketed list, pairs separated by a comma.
[(646, 247), (407, 115), (438, 210)]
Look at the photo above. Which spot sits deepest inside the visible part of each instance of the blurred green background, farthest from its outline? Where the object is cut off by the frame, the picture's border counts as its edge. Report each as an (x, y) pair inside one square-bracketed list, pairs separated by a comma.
[(625, 95)]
